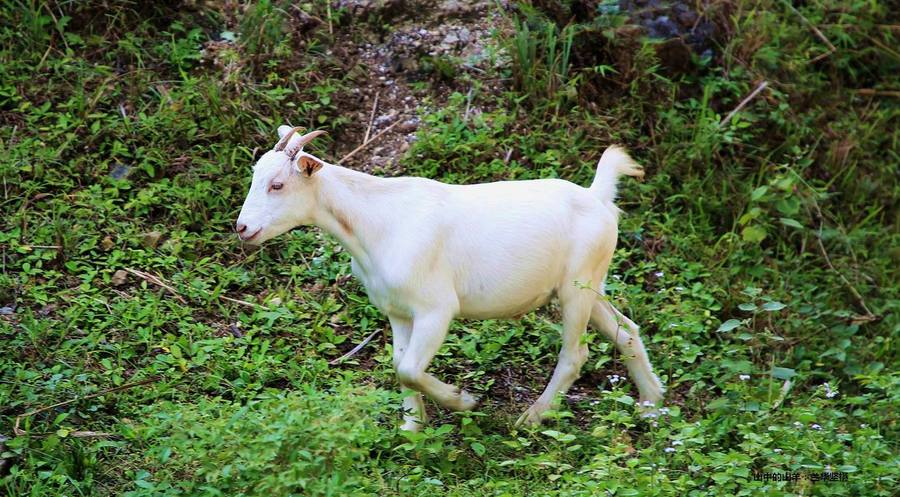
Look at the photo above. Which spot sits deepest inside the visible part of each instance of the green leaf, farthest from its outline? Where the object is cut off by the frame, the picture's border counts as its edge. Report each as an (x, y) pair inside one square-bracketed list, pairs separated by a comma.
[(625, 399), (759, 192), (478, 448), (783, 373), (728, 326), (747, 306), (753, 234), (773, 306), (552, 434), (791, 222)]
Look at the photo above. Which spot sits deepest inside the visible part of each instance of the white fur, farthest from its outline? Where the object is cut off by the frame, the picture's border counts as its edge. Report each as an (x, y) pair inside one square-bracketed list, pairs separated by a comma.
[(428, 252)]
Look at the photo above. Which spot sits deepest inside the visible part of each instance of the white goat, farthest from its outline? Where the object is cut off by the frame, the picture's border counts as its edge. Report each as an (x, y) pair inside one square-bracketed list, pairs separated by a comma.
[(428, 252)]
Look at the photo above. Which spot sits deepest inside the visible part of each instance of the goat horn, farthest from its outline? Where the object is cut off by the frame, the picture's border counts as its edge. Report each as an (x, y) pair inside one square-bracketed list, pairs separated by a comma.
[(287, 137), (303, 141)]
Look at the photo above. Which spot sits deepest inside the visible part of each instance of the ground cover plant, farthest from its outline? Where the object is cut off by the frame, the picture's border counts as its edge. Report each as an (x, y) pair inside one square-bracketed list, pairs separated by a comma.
[(143, 351)]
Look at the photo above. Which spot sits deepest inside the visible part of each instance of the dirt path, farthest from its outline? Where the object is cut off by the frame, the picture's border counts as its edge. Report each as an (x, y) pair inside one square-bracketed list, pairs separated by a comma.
[(428, 37)]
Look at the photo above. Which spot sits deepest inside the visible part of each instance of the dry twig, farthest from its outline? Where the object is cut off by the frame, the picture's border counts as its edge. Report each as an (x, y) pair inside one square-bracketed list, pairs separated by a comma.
[(355, 349), (872, 92), (371, 117), (374, 138), (79, 434), (762, 86), (156, 280), (831, 48)]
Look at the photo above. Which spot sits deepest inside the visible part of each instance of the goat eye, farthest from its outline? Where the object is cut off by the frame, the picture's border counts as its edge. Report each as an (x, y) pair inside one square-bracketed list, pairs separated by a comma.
[(277, 186)]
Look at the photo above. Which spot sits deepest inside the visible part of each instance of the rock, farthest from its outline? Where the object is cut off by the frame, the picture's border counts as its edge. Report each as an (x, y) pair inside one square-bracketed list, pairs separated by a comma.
[(465, 36), (107, 244), (685, 15), (235, 330), (662, 27), (119, 277), (450, 40), (408, 126), (47, 310), (385, 118), (452, 8), (364, 8), (120, 171), (150, 239)]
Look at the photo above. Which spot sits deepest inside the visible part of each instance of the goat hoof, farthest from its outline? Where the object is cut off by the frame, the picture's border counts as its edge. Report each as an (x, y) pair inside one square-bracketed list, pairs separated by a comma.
[(411, 425), (467, 401), (531, 417)]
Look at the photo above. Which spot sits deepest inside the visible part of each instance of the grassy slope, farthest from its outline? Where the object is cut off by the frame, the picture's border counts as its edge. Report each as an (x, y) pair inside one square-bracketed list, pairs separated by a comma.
[(726, 229)]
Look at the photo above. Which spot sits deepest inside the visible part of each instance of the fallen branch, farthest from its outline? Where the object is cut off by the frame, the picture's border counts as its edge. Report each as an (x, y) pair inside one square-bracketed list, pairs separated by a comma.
[(869, 316), (79, 434), (371, 118), (156, 280), (355, 349), (871, 92), (242, 302), (831, 48), (762, 86), (374, 138)]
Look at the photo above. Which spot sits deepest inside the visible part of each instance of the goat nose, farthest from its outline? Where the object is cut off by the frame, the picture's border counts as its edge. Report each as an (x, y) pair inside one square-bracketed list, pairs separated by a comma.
[(240, 228)]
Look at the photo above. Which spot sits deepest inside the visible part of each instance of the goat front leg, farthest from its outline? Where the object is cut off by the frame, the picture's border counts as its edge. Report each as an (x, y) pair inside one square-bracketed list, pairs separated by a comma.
[(413, 405), (428, 334)]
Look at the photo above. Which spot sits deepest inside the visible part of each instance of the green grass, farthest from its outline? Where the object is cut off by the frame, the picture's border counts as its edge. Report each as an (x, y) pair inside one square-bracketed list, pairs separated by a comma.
[(759, 256)]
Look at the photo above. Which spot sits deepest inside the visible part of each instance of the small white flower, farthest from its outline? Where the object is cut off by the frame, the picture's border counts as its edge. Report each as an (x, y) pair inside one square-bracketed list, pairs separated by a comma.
[(615, 379), (777, 451), (863, 425), (829, 393), (744, 377), (669, 449), (798, 424), (647, 403), (664, 410), (679, 288), (815, 426), (658, 274), (677, 442)]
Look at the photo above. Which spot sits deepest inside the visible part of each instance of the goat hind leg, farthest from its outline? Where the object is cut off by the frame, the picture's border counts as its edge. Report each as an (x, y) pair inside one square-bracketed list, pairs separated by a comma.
[(576, 310), (624, 334)]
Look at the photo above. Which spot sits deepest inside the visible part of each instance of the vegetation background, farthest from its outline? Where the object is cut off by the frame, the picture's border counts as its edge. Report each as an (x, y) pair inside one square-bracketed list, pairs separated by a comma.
[(759, 256)]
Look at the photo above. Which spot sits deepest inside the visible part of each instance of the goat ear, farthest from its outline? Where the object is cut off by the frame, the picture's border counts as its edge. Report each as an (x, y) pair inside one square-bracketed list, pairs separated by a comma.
[(308, 165)]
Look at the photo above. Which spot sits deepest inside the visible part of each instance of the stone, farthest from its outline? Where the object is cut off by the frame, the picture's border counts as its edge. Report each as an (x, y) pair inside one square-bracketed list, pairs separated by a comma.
[(119, 278), (150, 239)]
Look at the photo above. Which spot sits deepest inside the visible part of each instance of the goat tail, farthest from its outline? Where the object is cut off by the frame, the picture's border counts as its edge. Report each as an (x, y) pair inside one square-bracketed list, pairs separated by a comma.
[(614, 162)]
